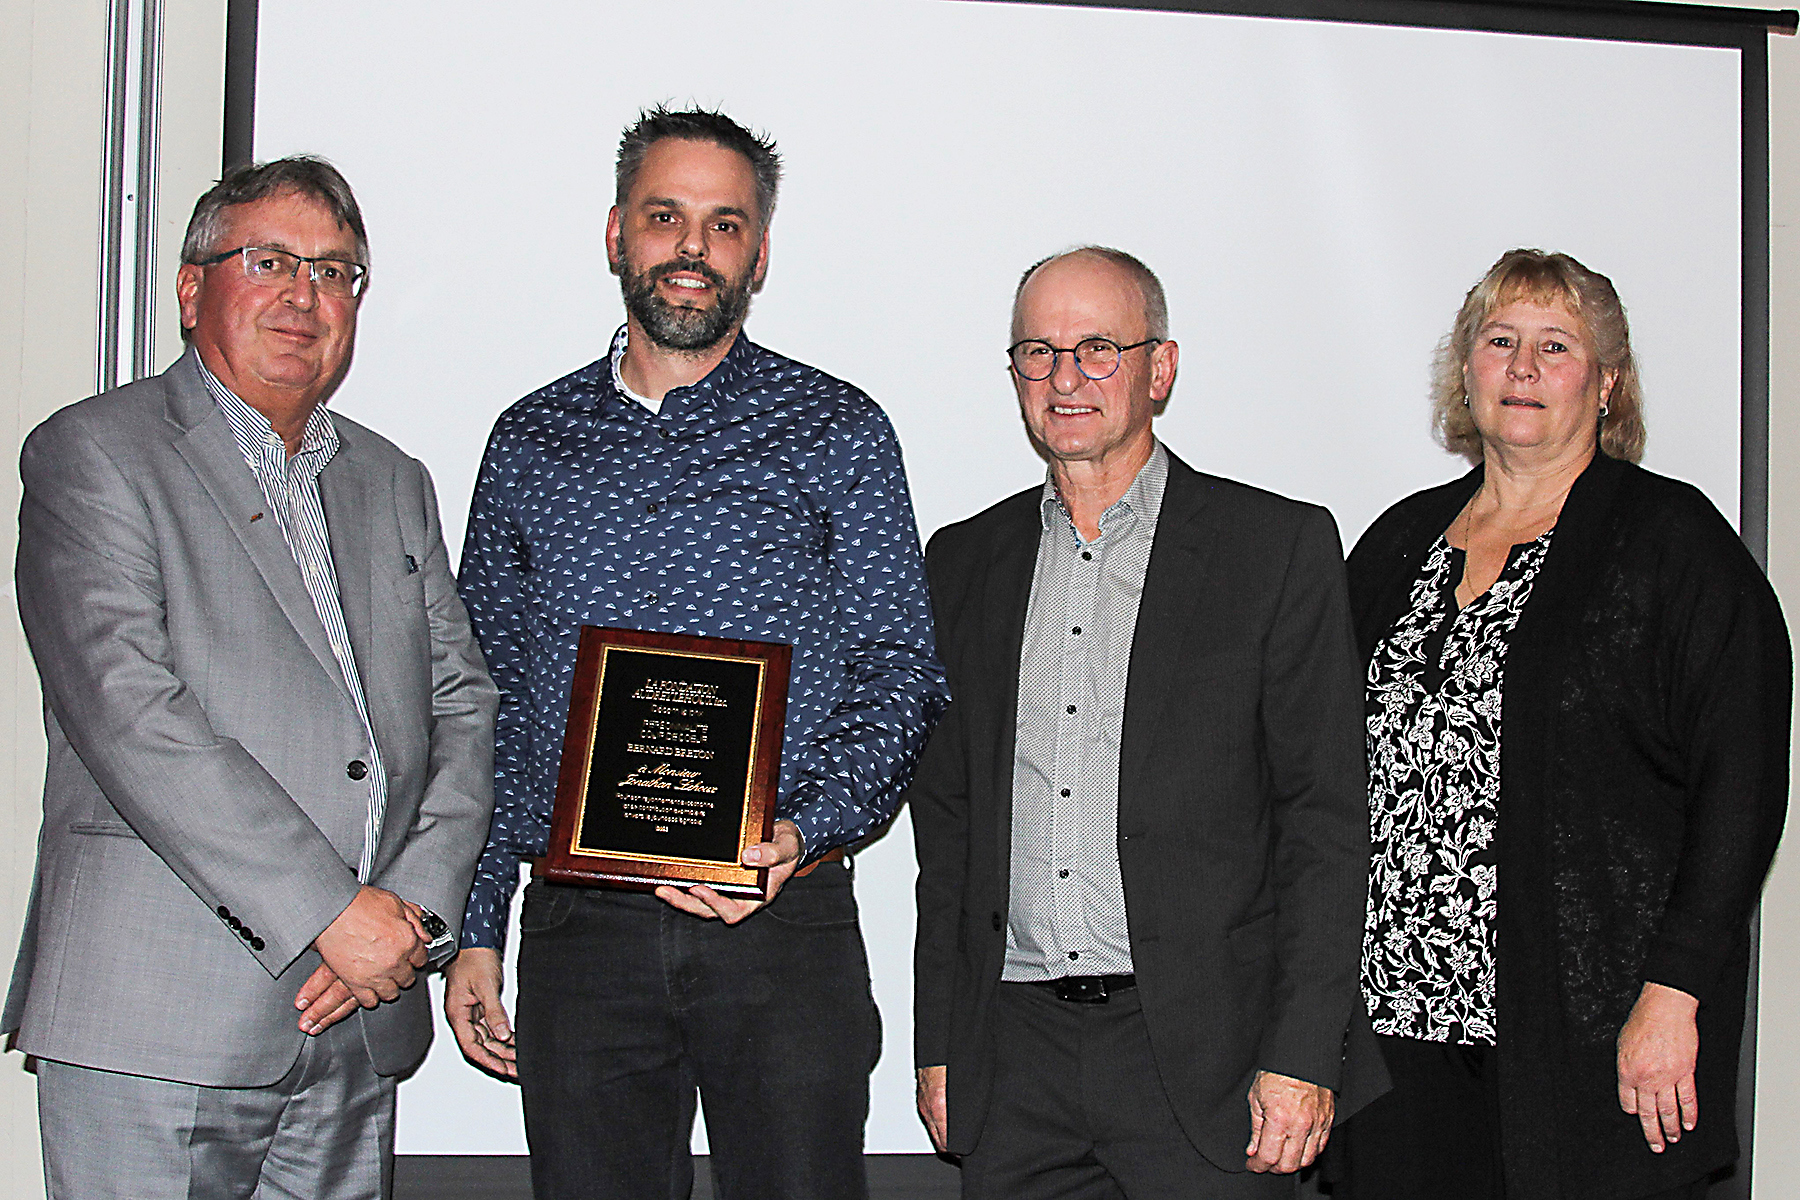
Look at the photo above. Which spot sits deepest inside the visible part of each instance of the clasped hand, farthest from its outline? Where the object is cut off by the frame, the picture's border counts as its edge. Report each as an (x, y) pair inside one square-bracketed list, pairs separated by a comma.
[(373, 950)]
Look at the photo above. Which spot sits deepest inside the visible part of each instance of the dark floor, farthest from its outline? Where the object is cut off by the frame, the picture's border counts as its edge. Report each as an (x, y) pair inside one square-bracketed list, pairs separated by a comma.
[(494, 1177)]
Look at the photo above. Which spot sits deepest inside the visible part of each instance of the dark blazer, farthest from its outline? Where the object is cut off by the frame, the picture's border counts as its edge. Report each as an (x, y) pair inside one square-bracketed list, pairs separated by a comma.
[(1643, 785), (1243, 826)]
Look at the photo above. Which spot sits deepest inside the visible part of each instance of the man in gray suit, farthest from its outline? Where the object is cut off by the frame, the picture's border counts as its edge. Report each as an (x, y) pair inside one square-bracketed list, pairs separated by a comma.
[(270, 738)]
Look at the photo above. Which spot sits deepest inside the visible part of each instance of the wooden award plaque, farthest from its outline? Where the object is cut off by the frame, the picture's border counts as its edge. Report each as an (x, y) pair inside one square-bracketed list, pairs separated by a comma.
[(670, 761)]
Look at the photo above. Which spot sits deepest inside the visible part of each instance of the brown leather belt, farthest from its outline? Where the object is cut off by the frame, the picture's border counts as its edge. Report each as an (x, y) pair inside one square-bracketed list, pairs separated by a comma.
[(836, 854)]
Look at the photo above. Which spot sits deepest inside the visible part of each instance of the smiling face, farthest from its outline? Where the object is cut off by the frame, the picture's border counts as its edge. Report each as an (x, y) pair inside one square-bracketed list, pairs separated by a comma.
[(688, 244), (1534, 381), (279, 349), (1103, 423)]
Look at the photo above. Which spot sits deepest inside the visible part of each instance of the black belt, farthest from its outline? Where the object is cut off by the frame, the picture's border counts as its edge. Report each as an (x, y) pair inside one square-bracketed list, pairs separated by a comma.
[(1086, 989)]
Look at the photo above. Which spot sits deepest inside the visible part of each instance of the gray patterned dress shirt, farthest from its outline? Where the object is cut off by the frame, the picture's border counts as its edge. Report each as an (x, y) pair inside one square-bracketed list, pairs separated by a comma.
[(290, 486), (1067, 907)]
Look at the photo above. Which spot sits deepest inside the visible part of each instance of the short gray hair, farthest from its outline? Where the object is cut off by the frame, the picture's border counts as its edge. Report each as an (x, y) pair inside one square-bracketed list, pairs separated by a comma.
[(699, 125), (1156, 303), (304, 174)]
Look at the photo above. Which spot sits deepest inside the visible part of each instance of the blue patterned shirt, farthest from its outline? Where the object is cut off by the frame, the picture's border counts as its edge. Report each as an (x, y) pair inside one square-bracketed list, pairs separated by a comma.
[(766, 502)]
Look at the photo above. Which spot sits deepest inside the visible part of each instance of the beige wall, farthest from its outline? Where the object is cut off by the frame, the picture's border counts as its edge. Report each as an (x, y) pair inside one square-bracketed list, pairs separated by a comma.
[(1777, 1153), (52, 76), (192, 137), (52, 128), (51, 84), (1777, 1159)]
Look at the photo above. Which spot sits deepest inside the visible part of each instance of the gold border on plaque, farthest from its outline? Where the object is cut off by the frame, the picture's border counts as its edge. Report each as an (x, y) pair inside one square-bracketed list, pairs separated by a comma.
[(587, 766), (566, 860)]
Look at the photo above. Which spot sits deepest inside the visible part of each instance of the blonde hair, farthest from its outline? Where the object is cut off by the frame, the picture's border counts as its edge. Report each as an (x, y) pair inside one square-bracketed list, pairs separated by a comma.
[(1541, 278)]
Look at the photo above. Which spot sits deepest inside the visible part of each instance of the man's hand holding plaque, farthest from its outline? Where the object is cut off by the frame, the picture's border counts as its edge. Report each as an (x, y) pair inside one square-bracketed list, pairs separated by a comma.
[(779, 856)]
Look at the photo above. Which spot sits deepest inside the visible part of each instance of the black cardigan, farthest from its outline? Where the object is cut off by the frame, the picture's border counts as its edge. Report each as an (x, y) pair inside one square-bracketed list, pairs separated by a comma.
[(1643, 786)]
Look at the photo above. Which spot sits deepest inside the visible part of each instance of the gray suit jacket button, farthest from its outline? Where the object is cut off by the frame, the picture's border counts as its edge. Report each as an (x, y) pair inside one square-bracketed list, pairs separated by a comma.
[(357, 768), (256, 943)]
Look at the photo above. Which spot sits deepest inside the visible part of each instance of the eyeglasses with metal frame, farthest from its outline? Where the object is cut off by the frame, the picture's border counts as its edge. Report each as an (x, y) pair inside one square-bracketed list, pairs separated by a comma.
[(276, 268), (1097, 358)]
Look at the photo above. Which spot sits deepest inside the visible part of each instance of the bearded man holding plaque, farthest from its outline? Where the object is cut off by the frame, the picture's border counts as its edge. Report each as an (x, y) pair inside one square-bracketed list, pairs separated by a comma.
[(692, 483)]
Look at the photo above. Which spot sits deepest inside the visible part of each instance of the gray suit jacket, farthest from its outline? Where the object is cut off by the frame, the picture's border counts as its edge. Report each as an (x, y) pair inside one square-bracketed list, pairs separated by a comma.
[(201, 736)]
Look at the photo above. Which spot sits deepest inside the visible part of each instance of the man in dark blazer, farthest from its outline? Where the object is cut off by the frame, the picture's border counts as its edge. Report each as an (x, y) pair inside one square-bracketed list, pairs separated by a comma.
[(1141, 826)]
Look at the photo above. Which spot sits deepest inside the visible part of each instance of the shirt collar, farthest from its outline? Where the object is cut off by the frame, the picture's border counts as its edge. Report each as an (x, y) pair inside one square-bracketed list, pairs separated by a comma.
[(253, 431), (1142, 500), (619, 342), (718, 386)]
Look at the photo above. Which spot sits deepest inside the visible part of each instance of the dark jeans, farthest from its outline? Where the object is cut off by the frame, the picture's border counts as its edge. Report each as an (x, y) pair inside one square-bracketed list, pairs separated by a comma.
[(1436, 1134), (1079, 1112), (626, 1006)]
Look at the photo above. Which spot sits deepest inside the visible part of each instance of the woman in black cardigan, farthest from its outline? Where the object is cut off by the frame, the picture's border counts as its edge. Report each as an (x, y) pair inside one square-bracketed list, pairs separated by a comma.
[(1557, 941)]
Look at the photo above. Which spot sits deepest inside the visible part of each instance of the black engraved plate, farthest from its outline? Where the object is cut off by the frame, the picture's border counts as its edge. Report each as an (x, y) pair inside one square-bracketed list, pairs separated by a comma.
[(669, 762)]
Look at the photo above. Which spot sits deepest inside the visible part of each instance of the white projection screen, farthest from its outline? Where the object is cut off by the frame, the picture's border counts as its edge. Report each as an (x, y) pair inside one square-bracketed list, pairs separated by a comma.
[(1316, 196)]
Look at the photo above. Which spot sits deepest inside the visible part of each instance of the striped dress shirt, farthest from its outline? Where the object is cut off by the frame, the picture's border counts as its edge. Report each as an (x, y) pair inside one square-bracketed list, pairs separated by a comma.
[(1067, 901), (291, 488)]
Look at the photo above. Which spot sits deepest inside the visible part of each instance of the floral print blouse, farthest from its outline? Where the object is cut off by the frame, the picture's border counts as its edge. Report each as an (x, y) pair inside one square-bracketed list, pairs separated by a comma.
[(1434, 788)]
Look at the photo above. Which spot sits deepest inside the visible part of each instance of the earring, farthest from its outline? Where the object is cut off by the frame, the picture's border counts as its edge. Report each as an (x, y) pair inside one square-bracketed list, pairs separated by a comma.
[(1465, 400), (1603, 411)]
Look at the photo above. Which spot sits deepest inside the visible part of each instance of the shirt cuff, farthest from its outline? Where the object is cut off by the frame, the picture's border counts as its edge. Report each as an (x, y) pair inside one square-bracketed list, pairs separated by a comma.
[(484, 918), (815, 840)]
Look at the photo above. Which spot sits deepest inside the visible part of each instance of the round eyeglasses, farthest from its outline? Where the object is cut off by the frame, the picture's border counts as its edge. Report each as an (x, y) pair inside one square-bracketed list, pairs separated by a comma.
[(1095, 357), (276, 268)]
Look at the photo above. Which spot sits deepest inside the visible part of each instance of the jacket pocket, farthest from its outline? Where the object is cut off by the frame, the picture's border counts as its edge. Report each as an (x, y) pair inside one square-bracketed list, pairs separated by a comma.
[(103, 829), (1254, 939)]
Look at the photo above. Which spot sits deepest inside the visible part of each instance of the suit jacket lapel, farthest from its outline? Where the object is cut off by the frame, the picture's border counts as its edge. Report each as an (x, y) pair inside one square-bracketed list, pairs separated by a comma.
[(1004, 610), (344, 492), (211, 451), (1166, 616)]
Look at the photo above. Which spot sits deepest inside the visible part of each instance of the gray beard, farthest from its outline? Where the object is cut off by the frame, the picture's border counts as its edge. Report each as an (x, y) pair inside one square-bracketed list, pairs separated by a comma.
[(673, 327)]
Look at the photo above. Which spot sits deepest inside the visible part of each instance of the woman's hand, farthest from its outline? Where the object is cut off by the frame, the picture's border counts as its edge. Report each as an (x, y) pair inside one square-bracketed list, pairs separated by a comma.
[(1657, 1051)]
